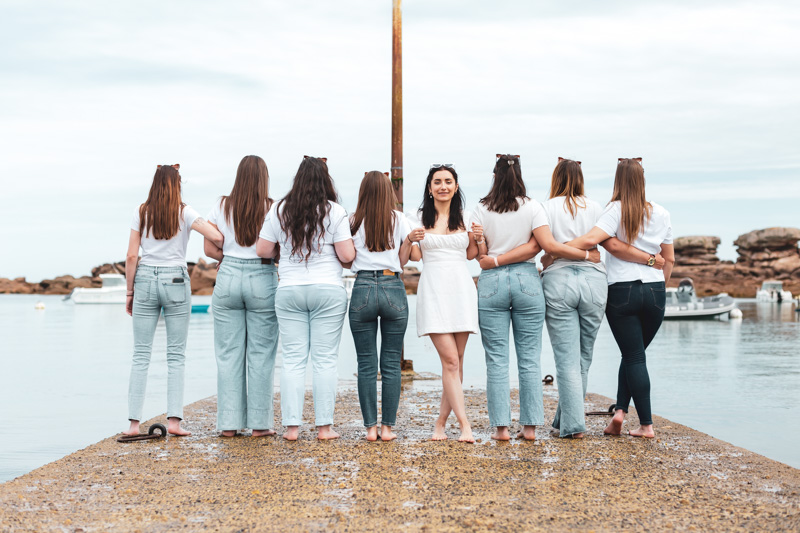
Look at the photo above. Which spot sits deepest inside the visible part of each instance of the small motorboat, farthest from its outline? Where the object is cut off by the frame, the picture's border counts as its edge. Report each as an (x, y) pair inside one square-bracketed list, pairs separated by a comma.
[(772, 292), (683, 303), (112, 292)]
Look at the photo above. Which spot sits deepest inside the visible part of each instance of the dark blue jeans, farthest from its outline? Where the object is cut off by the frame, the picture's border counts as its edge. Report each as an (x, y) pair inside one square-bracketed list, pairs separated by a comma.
[(635, 311), (378, 301)]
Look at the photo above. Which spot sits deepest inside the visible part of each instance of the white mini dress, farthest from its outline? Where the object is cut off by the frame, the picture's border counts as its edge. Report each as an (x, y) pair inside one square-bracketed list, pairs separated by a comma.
[(447, 300)]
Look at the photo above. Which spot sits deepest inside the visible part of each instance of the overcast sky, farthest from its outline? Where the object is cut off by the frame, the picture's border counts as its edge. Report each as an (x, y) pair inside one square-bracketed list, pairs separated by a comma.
[(93, 95)]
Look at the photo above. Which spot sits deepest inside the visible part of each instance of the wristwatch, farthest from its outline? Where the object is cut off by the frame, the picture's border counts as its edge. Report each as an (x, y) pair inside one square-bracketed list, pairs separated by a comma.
[(651, 261)]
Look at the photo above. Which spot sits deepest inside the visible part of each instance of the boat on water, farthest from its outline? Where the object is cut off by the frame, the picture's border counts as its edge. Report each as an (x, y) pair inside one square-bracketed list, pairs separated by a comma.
[(772, 291), (683, 303), (112, 292)]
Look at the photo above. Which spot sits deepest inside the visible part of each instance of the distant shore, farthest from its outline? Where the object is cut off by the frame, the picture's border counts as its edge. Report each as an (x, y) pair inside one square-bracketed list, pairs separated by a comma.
[(683, 480), (770, 253)]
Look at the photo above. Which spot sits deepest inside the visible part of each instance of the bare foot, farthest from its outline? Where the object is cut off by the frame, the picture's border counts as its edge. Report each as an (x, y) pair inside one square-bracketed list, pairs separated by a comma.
[(466, 435), (438, 432), (527, 433), (615, 426), (387, 433), (134, 429), (174, 427), (326, 433), (576, 436), (291, 433), (263, 432), (643, 431), (501, 433), (229, 433), (372, 433)]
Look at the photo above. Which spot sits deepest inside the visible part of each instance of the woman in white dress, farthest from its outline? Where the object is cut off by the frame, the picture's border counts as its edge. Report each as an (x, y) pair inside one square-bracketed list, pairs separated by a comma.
[(447, 301)]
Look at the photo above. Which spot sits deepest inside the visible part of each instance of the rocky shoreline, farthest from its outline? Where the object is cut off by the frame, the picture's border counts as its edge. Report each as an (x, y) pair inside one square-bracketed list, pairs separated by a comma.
[(683, 480), (770, 253)]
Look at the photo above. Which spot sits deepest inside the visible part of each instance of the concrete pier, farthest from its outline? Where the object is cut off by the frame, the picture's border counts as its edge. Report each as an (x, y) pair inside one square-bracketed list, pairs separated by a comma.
[(683, 480)]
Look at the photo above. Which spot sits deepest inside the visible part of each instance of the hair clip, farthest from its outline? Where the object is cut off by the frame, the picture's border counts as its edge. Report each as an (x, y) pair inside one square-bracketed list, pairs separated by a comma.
[(510, 162)]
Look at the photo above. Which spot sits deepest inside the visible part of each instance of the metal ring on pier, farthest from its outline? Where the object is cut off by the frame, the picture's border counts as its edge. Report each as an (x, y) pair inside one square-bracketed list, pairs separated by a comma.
[(548, 380), (151, 434)]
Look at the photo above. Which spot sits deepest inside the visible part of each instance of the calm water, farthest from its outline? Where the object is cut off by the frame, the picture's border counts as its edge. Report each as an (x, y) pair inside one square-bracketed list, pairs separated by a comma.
[(64, 375)]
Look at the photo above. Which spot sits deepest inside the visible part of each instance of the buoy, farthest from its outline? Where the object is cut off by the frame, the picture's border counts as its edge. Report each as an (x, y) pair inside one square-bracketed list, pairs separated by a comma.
[(39, 305), (736, 314)]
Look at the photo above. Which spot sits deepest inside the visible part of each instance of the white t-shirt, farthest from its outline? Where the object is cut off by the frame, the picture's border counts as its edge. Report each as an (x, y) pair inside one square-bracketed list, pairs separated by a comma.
[(323, 265), (565, 228), (230, 247), (386, 260), (169, 252), (506, 231), (657, 231)]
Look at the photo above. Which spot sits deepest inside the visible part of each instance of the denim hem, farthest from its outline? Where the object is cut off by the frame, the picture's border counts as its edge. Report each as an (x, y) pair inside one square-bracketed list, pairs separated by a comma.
[(388, 424), (291, 423), (366, 425), (318, 423), (537, 424)]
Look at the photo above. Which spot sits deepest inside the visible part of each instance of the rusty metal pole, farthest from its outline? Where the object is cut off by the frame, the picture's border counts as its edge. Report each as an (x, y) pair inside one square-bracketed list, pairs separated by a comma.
[(397, 102), (397, 125)]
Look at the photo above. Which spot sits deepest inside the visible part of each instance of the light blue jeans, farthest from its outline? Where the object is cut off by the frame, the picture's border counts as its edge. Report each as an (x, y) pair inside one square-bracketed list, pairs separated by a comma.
[(157, 288), (245, 343), (512, 295), (310, 318), (576, 300)]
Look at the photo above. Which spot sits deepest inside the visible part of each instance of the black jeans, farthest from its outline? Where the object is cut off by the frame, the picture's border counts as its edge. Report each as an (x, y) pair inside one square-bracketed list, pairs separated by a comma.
[(635, 311)]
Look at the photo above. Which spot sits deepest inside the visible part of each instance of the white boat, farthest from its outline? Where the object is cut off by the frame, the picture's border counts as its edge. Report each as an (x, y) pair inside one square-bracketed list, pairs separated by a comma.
[(112, 292), (772, 291), (683, 303)]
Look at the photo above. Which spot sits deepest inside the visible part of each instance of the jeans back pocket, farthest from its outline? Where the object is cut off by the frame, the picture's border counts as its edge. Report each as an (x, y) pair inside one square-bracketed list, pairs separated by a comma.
[(488, 284), (619, 295), (141, 290), (176, 292), (395, 295), (359, 298), (659, 295)]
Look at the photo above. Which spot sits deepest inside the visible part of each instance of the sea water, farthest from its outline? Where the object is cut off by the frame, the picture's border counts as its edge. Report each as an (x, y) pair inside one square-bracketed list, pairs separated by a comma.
[(64, 375)]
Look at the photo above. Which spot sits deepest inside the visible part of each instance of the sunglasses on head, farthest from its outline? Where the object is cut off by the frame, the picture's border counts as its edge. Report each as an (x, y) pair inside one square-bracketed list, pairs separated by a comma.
[(560, 159), (637, 159), (323, 159), (442, 165), (511, 158), (176, 166)]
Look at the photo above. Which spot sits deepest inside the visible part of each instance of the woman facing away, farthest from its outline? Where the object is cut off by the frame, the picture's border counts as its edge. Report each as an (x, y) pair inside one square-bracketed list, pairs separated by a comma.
[(380, 235), (636, 291), (575, 293), (510, 294), (313, 234), (161, 228), (243, 305), (446, 295)]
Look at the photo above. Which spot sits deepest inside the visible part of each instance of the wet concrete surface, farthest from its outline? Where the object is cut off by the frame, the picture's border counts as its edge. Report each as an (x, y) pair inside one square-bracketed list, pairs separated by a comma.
[(683, 480)]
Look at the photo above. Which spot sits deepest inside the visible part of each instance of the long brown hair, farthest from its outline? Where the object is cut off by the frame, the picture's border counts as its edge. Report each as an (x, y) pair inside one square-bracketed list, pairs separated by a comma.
[(629, 191), (375, 209), (249, 200), (160, 214), (567, 181), (303, 210), (507, 185)]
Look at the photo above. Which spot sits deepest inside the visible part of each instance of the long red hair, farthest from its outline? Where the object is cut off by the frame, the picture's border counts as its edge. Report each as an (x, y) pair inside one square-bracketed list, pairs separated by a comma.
[(161, 213)]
